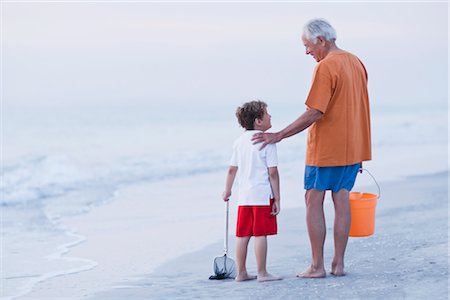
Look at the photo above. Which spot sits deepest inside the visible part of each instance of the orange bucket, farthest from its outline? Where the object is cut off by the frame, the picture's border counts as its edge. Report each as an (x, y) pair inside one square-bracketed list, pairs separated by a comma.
[(362, 207)]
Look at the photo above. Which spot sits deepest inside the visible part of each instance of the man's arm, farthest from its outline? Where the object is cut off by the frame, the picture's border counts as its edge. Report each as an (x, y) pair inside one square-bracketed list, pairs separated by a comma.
[(274, 179), (229, 182), (304, 121)]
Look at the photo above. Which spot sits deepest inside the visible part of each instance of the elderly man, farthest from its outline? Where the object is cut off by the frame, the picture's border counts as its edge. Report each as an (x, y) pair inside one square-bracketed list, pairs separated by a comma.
[(339, 140)]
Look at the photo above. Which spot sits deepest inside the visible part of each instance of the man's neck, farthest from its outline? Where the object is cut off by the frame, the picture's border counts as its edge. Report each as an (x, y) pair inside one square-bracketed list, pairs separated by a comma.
[(333, 48)]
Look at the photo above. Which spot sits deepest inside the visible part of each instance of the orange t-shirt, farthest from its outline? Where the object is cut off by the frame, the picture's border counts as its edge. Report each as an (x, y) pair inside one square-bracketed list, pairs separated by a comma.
[(339, 90)]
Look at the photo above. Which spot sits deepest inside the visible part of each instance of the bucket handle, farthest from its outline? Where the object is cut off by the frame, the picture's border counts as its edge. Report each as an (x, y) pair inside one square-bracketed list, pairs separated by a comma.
[(378, 186)]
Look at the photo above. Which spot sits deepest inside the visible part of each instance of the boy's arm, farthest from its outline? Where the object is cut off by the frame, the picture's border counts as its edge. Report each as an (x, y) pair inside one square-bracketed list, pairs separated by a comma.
[(229, 182), (274, 179)]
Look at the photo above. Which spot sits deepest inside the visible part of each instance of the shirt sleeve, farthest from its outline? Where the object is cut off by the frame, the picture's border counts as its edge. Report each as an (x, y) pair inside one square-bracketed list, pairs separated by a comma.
[(321, 90), (271, 155), (233, 160), (364, 67)]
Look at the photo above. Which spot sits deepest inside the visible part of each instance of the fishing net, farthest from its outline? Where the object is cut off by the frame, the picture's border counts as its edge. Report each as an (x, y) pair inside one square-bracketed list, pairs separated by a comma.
[(224, 268)]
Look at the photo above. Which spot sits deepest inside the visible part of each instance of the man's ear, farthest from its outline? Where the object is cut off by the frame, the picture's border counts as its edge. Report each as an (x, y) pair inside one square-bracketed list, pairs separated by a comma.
[(321, 40)]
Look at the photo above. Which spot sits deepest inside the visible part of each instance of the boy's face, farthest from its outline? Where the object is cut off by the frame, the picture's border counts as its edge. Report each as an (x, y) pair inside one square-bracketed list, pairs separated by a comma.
[(264, 123)]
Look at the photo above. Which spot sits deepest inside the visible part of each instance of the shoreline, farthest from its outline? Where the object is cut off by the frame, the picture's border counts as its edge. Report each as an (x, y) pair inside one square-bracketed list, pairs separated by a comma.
[(99, 283)]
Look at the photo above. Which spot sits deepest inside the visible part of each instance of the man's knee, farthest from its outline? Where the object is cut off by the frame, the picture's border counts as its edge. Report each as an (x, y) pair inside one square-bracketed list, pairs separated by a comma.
[(344, 193), (314, 198)]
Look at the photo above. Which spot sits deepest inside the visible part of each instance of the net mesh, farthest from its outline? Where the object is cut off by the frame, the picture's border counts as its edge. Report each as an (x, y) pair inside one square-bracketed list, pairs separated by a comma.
[(224, 267)]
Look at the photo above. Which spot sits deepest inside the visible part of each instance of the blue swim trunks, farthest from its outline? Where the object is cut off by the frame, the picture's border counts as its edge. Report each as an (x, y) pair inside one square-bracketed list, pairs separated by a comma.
[(331, 178)]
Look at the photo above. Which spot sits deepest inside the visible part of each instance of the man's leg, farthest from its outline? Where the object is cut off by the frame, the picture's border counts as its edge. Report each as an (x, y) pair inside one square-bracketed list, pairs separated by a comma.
[(315, 220), (342, 219), (241, 257)]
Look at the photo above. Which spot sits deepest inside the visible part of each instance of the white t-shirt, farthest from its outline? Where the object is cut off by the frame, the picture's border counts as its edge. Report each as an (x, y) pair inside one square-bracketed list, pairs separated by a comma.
[(253, 173)]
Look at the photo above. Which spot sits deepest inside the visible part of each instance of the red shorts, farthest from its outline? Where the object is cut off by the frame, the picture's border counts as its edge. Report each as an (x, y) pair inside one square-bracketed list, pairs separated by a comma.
[(256, 220)]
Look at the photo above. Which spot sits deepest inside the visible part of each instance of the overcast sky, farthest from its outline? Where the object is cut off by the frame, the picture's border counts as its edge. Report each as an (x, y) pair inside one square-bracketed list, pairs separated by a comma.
[(104, 52)]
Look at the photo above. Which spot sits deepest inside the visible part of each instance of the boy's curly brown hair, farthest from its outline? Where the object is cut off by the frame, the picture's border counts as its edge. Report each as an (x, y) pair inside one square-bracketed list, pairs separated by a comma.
[(249, 112)]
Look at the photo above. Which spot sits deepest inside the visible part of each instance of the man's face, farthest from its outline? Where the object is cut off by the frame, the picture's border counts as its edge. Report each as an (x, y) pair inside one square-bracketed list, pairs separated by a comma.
[(316, 50)]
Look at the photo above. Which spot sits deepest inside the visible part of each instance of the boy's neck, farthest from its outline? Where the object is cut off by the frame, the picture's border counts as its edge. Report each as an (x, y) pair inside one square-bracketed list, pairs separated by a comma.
[(258, 128)]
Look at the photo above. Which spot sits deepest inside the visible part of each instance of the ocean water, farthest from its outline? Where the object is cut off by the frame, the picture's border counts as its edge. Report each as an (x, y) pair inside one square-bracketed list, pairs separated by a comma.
[(60, 161)]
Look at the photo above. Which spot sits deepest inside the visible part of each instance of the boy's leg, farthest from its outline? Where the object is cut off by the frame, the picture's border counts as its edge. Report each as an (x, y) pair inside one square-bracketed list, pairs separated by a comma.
[(241, 256), (261, 258), (264, 224), (261, 254)]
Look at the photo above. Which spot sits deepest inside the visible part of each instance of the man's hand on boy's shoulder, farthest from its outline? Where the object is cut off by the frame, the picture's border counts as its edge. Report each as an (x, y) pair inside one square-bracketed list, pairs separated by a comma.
[(265, 138)]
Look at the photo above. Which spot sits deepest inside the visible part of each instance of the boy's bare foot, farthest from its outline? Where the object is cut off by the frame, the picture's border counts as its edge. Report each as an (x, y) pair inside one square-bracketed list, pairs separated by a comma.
[(244, 277), (337, 270), (312, 273), (268, 277)]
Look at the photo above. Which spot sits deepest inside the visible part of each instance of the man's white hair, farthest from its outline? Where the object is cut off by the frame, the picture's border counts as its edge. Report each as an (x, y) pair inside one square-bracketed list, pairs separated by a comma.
[(319, 27)]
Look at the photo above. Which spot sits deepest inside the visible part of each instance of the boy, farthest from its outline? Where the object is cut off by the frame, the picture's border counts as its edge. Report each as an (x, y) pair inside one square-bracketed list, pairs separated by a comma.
[(259, 191)]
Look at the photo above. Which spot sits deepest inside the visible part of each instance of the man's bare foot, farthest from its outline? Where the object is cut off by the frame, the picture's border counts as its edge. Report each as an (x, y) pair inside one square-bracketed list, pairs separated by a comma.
[(268, 277), (337, 270), (244, 277), (312, 273)]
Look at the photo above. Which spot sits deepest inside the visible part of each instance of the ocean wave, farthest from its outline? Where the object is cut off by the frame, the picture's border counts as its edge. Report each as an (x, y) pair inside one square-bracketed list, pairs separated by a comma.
[(33, 180), (39, 178)]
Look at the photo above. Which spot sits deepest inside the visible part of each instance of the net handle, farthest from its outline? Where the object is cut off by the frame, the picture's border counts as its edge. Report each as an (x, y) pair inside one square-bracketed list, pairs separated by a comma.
[(378, 186), (225, 242)]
